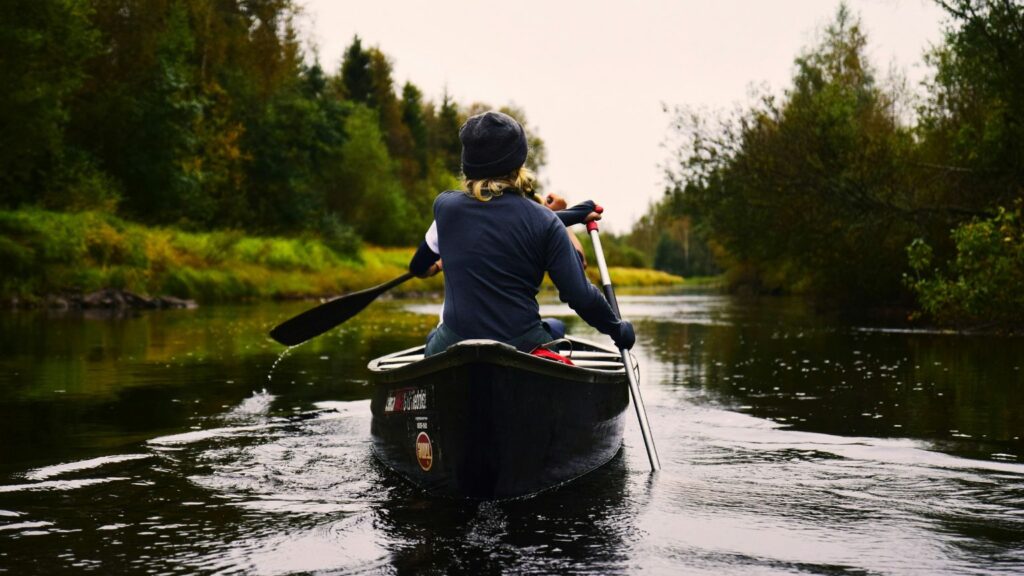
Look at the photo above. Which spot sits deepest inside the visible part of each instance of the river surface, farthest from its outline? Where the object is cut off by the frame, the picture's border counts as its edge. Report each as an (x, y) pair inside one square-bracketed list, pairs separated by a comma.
[(182, 442)]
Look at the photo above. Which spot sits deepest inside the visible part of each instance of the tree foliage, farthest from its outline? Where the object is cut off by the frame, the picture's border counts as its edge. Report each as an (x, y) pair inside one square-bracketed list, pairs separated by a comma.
[(796, 189), (208, 114), (982, 283), (673, 238), (972, 138), (821, 189), (44, 47)]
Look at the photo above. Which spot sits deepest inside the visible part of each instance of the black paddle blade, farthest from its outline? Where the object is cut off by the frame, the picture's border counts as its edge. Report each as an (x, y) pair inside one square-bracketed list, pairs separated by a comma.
[(316, 321)]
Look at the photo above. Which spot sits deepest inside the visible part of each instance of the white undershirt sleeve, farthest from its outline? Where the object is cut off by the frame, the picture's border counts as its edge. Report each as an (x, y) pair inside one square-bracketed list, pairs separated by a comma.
[(431, 238)]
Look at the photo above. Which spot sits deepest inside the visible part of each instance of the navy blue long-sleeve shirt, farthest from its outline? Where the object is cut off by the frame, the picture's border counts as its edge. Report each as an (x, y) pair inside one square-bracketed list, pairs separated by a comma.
[(495, 256)]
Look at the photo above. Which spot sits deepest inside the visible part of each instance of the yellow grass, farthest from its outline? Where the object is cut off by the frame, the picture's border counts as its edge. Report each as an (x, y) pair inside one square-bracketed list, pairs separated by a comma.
[(50, 252)]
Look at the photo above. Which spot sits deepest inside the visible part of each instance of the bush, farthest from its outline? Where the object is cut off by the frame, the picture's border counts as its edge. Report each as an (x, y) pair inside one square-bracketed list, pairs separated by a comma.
[(78, 185), (45, 252), (616, 251), (15, 258), (339, 237), (983, 283)]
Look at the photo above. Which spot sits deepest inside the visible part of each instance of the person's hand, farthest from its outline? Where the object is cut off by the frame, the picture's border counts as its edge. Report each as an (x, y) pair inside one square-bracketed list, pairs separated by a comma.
[(626, 337), (555, 202), (433, 270), (592, 216)]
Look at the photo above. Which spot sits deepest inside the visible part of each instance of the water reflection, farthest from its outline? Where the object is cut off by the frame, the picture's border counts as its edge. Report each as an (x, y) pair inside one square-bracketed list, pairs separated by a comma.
[(344, 510), (963, 393), (588, 523), (791, 443)]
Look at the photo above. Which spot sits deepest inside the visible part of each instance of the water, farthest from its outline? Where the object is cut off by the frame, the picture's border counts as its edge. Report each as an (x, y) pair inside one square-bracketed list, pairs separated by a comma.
[(792, 444)]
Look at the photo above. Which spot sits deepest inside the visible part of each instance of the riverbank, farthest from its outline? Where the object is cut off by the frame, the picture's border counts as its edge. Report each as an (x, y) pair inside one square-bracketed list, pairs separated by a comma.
[(51, 257)]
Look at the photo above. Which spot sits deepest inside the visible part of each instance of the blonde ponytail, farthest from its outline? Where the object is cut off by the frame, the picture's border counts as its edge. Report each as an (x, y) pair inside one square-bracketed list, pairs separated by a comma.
[(522, 181)]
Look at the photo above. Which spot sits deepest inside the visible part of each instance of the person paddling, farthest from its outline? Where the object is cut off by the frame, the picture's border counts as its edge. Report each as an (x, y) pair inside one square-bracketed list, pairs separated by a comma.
[(578, 214), (497, 244)]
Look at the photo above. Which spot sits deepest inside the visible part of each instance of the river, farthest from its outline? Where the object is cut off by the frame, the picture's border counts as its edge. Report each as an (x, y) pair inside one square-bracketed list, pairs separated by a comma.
[(183, 442)]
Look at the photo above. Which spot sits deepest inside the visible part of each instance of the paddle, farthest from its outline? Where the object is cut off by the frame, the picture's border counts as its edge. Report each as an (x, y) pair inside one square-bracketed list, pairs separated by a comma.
[(316, 321), (634, 386)]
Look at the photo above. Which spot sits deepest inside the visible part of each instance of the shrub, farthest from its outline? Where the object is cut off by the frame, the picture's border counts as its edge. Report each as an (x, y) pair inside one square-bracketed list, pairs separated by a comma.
[(339, 237), (15, 258), (983, 282), (77, 185)]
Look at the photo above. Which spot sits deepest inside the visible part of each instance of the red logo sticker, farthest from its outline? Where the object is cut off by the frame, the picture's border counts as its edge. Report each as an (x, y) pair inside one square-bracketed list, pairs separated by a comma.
[(424, 452)]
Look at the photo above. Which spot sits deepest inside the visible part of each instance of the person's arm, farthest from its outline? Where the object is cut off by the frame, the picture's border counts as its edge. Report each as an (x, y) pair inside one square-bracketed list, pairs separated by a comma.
[(578, 214), (427, 259), (583, 297)]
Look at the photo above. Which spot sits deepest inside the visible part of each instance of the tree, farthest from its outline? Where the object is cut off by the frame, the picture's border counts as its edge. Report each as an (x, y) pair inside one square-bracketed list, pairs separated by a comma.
[(203, 114), (981, 284), (973, 122), (413, 118), (446, 135), (972, 146), (809, 193), (44, 46), (369, 195), (356, 80), (160, 169), (389, 112), (668, 232)]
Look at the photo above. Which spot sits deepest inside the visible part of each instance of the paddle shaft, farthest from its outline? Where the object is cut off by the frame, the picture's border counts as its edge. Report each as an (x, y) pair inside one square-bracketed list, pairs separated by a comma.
[(634, 386), (316, 321), (395, 282)]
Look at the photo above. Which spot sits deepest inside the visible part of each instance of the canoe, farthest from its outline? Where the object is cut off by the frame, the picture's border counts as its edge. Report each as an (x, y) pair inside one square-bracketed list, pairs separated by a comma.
[(485, 421)]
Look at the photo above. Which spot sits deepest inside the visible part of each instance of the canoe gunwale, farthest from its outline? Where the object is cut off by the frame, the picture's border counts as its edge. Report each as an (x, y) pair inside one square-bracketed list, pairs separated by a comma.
[(491, 352)]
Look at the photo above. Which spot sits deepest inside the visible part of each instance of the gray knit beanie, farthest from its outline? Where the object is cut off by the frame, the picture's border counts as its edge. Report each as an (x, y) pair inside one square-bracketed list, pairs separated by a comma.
[(493, 144)]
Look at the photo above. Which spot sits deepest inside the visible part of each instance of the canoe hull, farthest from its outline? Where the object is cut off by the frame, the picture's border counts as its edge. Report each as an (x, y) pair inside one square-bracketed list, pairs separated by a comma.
[(486, 422)]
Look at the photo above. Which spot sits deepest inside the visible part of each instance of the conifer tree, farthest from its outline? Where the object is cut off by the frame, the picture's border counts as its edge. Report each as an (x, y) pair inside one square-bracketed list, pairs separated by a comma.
[(356, 79), (448, 146), (413, 119)]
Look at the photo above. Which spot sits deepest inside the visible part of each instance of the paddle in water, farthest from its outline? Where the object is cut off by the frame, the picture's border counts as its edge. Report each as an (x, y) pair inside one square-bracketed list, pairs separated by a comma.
[(634, 386), (316, 321)]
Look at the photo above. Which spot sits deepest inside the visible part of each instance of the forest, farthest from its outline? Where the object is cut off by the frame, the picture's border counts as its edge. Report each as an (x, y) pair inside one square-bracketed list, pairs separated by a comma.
[(199, 140), (857, 190), (211, 120), (207, 114)]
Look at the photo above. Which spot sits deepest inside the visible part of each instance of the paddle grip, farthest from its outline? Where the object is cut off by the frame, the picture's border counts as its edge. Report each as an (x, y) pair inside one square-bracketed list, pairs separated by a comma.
[(592, 225)]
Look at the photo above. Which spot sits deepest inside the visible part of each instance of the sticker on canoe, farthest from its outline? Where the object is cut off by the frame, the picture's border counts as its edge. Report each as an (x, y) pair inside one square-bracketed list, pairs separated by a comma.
[(424, 452), (406, 399)]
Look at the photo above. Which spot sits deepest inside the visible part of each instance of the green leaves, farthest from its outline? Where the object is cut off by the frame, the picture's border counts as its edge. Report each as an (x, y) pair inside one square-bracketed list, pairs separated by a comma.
[(803, 193), (832, 191), (983, 282), (203, 114), (44, 47)]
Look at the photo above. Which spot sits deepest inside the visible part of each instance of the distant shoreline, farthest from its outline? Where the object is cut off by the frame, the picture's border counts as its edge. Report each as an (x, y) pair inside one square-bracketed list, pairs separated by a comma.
[(96, 260)]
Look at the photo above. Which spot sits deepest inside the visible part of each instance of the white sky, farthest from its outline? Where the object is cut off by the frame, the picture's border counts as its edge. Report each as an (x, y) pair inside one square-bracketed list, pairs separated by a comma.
[(592, 75)]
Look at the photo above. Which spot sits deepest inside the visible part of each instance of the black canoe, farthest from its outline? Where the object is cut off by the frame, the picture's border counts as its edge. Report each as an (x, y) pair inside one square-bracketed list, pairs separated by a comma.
[(485, 421)]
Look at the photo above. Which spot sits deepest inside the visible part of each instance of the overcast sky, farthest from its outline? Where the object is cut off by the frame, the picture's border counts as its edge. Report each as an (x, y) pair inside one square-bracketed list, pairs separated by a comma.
[(592, 75)]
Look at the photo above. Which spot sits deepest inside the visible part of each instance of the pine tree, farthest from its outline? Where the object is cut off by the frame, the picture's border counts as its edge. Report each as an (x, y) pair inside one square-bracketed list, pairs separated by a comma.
[(449, 147), (356, 80), (412, 117)]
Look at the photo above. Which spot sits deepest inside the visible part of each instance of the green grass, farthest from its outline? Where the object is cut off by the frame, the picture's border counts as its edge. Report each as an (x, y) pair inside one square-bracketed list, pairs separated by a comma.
[(46, 252), (636, 277)]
